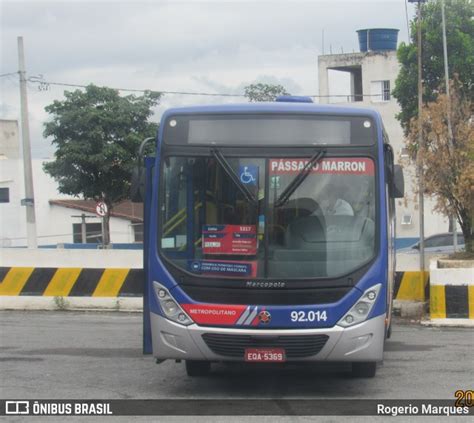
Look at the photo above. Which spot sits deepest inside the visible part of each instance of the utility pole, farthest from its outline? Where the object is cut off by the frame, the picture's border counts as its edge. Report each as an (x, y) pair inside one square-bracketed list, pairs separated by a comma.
[(83, 229), (448, 111), (420, 153), (29, 200), (419, 156)]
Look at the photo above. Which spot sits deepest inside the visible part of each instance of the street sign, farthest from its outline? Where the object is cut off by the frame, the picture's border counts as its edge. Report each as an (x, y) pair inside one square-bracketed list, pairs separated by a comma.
[(27, 202), (101, 209)]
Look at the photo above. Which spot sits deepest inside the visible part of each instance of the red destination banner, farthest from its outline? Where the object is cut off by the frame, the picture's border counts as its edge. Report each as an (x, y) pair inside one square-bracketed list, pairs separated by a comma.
[(336, 166)]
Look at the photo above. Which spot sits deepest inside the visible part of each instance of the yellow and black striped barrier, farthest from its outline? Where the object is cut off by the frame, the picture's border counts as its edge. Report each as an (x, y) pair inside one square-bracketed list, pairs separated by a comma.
[(114, 282), (411, 286), (452, 301), (70, 281)]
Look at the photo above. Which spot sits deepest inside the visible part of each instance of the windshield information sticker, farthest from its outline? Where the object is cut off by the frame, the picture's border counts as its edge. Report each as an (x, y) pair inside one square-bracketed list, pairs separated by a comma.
[(248, 175), (336, 166), (229, 239), (224, 267)]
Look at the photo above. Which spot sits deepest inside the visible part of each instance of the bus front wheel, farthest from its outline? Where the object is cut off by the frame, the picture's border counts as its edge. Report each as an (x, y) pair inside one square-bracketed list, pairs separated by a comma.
[(364, 369), (197, 368)]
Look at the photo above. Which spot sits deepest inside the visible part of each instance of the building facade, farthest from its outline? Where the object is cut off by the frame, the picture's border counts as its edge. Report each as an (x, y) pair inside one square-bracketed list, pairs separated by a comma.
[(58, 216), (372, 77)]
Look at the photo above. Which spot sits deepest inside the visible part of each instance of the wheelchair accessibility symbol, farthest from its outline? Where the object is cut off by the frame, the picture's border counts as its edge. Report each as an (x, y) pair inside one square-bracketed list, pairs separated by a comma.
[(248, 174)]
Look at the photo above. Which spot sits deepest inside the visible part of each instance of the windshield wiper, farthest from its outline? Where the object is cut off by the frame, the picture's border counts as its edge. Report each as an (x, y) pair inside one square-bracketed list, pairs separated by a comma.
[(298, 180), (232, 175)]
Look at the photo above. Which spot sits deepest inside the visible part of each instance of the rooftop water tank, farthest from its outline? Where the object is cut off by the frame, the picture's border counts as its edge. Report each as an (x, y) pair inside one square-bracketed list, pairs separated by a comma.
[(377, 39), (294, 99)]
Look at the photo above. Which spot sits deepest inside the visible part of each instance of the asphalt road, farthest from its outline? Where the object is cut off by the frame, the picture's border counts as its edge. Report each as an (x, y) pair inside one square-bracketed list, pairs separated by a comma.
[(45, 355)]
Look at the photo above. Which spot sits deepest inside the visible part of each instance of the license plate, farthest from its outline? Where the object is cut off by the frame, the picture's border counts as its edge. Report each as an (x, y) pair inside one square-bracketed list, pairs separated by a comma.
[(268, 355)]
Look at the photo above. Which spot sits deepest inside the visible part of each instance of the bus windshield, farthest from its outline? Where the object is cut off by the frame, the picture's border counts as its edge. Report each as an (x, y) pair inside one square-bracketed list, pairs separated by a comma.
[(212, 227)]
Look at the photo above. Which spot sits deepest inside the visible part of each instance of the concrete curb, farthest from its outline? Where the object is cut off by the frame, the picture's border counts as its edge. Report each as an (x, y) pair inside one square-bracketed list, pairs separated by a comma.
[(409, 309), (71, 303), (454, 323)]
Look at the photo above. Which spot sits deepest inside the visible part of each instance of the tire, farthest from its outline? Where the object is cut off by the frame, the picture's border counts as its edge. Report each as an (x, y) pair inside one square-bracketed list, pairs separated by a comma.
[(364, 369), (197, 368)]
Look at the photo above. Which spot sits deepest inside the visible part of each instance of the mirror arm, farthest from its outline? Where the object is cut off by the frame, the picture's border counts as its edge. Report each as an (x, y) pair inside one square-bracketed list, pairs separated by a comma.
[(140, 155), (142, 146), (136, 196)]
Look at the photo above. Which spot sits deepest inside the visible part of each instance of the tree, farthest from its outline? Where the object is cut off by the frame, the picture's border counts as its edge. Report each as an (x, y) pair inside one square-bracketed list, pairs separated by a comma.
[(460, 45), (448, 169), (264, 92), (97, 134)]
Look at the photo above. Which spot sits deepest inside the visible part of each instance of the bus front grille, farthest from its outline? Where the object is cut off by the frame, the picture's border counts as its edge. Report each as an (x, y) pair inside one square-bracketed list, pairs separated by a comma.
[(297, 346)]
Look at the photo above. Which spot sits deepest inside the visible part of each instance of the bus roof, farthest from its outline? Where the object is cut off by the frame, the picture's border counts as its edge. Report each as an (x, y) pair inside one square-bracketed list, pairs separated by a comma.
[(274, 107)]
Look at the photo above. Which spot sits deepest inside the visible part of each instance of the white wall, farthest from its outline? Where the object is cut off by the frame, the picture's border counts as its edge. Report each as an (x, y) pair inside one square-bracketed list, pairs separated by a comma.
[(53, 223), (120, 229), (12, 217), (9, 145), (45, 257), (133, 259)]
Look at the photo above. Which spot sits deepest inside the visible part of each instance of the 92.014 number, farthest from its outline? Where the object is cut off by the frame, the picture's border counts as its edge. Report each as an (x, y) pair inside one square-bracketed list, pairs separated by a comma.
[(310, 316)]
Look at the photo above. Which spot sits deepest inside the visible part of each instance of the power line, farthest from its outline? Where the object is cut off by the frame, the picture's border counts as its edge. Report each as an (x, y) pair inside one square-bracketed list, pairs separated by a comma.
[(8, 74), (45, 83), (64, 84)]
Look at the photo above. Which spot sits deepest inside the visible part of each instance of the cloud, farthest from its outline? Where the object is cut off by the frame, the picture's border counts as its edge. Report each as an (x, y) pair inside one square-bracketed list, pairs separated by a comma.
[(216, 46)]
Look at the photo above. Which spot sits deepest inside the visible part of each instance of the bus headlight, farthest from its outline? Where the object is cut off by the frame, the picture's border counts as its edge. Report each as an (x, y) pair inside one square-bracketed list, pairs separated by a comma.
[(170, 307), (361, 309)]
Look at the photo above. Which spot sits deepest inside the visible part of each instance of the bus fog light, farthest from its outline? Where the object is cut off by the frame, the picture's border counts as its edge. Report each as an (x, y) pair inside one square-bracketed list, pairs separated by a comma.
[(181, 317), (361, 309), (170, 307)]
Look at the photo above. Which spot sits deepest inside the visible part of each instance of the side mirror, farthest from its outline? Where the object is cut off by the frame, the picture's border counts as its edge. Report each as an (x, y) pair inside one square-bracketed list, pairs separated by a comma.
[(137, 185), (398, 187)]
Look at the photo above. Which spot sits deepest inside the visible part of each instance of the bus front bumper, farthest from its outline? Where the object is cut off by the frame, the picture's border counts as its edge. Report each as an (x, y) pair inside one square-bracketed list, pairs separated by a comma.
[(362, 342)]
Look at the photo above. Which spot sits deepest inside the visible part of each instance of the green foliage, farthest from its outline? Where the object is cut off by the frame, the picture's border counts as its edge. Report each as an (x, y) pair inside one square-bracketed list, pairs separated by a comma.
[(264, 92), (460, 46), (97, 134), (448, 167)]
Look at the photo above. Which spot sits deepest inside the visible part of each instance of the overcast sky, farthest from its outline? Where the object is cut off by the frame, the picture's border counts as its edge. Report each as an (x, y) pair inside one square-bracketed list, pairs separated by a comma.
[(193, 46)]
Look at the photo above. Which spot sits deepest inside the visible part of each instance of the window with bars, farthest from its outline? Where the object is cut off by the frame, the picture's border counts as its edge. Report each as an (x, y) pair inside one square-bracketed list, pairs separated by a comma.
[(93, 233), (138, 232), (385, 90), (380, 91)]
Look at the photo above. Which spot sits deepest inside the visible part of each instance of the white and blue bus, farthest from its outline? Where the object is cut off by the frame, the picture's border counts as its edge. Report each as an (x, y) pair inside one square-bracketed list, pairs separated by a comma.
[(269, 235)]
